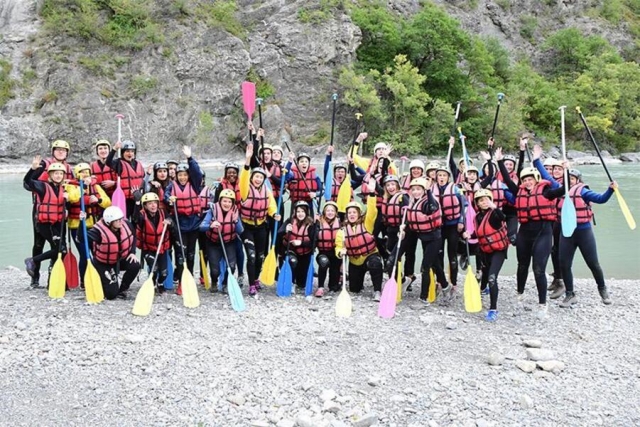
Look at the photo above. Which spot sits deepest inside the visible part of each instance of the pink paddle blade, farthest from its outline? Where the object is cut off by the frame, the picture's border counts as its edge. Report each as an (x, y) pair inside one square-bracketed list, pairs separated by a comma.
[(387, 307), (118, 199), (249, 98), (471, 222)]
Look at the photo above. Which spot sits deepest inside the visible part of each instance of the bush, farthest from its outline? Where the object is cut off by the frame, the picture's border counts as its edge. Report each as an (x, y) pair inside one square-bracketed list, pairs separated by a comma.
[(142, 85), (221, 14), (6, 83)]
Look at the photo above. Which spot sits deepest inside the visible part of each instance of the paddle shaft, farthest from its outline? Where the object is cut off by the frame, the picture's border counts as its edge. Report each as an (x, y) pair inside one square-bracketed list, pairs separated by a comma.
[(395, 258), (175, 210), (84, 221), (495, 118), (334, 97), (564, 152), (595, 144), (464, 151), (155, 259), (224, 250), (259, 101)]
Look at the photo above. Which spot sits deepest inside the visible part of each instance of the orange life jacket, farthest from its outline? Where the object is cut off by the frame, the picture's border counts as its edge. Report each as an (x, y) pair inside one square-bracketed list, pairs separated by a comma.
[(227, 220), (102, 172), (130, 177), (392, 210), (187, 200), (148, 235), (205, 197), (490, 239), (302, 184), (255, 207), (449, 202), (534, 206), (50, 208), (358, 241), (421, 222), (584, 213), (299, 232), (276, 172), (327, 234), (111, 249)]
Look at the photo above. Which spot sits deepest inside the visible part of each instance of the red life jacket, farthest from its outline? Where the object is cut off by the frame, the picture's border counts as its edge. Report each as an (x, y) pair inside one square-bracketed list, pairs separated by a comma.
[(74, 208), (358, 241), (227, 220), (226, 185), (47, 162), (513, 175), (50, 208), (301, 185), (392, 210), (490, 239), (299, 232), (335, 190), (583, 209), (534, 206), (102, 172), (160, 192), (497, 189), (406, 181), (276, 172), (205, 197), (421, 222), (327, 234), (187, 200), (111, 249), (148, 235), (255, 207), (449, 202), (130, 177)]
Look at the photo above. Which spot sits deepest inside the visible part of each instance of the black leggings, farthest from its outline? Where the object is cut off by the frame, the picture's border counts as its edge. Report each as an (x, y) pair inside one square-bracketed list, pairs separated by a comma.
[(51, 234), (38, 244), (555, 251), (215, 254), (408, 249), (334, 271), (372, 264), (534, 243), (254, 238), (491, 266), (160, 271), (450, 236), (512, 228), (301, 270), (430, 249), (109, 276), (189, 240), (586, 242)]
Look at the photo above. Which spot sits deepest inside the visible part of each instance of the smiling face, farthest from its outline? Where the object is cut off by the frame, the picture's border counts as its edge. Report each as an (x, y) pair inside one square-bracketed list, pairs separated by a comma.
[(416, 172), (226, 203), (353, 215), (60, 154), (102, 151), (572, 180), (231, 175), (391, 187), (417, 191), (330, 212), (162, 174), (172, 170), (509, 165), (483, 203), (557, 172), (529, 182), (183, 177), (301, 213), (276, 155), (151, 206), (472, 177), (267, 155), (303, 164), (56, 176), (257, 179)]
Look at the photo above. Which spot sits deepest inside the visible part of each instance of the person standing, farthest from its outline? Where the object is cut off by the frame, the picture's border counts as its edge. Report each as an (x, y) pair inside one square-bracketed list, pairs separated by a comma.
[(129, 169)]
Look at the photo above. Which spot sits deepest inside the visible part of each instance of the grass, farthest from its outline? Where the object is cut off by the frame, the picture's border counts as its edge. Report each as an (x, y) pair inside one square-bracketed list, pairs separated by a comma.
[(142, 85), (528, 25), (205, 128), (264, 89), (324, 11), (221, 14), (6, 83)]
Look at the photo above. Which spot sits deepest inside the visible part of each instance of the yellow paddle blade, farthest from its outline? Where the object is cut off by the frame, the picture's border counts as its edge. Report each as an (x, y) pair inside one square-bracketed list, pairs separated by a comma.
[(204, 272), (144, 299), (625, 210), (190, 297), (268, 273), (472, 299), (344, 195), (343, 304), (58, 279), (399, 282), (361, 162), (93, 284), (431, 297)]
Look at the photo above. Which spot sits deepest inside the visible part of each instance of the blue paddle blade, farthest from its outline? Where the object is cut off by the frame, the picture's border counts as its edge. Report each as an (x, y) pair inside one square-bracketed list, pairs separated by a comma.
[(308, 289), (223, 271), (568, 217), (328, 183), (168, 282), (283, 287), (235, 294)]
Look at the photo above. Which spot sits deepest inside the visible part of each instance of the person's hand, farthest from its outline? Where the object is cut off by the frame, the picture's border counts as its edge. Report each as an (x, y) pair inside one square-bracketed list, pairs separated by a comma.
[(87, 181), (215, 224), (249, 152), (523, 142), (155, 184), (613, 185), (132, 258), (35, 163), (312, 194), (490, 142), (485, 155), (465, 235), (150, 170), (349, 159), (466, 187), (93, 199), (566, 164), (460, 227), (498, 154), (296, 242), (361, 137), (289, 228), (452, 141), (260, 133), (172, 199), (342, 252), (330, 149), (186, 150), (167, 222), (107, 183), (82, 215), (250, 126), (387, 150), (117, 145), (269, 174), (536, 153), (492, 205), (371, 185), (277, 217)]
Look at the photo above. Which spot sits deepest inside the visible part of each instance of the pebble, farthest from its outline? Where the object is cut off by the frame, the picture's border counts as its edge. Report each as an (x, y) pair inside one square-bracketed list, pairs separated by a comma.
[(526, 365), (526, 402), (374, 381), (539, 354), (304, 421), (495, 359), (134, 338), (452, 325), (237, 399), (4, 340), (328, 394), (285, 422), (554, 366), (331, 406), (366, 421), (21, 326), (532, 343), (259, 423)]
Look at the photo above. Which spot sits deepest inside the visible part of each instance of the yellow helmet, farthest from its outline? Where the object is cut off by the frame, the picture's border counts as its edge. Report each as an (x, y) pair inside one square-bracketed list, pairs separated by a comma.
[(229, 194), (56, 167), (79, 168), (59, 143), (149, 197), (530, 172), (422, 182), (100, 142), (483, 192), (353, 204), (330, 203)]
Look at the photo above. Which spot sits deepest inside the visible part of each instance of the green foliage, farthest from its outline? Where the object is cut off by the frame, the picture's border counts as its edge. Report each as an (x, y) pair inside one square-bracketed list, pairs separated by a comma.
[(264, 89), (220, 14), (100, 66), (142, 85), (322, 12), (6, 83), (528, 25), (205, 128), (320, 136), (504, 4)]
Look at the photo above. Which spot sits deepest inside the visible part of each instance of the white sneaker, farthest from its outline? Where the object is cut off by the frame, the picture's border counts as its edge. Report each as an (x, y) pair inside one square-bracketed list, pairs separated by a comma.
[(542, 311), (376, 296)]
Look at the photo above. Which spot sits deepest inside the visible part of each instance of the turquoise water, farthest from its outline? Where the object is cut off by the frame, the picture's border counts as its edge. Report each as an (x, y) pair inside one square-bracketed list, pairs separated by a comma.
[(618, 246)]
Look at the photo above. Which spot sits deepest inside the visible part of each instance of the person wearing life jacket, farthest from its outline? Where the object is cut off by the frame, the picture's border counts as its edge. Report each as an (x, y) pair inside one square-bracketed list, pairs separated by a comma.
[(297, 235), (380, 150), (423, 223), (340, 172), (502, 198), (150, 221), (156, 181), (452, 203), (129, 170), (274, 175), (328, 226), (395, 201), (96, 201), (416, 170), (356, 241), (172, 165), (493, 242), (183, 195), (105, 176), (303, 183), (50, 213), (224, 222), (536, 206), (59, 154), (276, 154), (582, 238), (256, 204), (457, 170), (112, 242)]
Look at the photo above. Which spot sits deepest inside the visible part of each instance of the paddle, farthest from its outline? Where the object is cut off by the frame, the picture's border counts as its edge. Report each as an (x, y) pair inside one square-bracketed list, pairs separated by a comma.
[(344, 193), (144, 298), (387, 306), (495, 118), (399, 280), (472, 297), (204, 271), (118, 199), (58, 277), (92, 282), (343, 303), (404, 160), (285, 282), (568, 216), (120, 118), (431, 297), (328, 179), (168, 282), (465, 155), (623, 204), (268, 273), (235, 293), (190, 297), (267, 181), (71, 265), (453, 130), (249, 99), (308, 288), (223, 272)]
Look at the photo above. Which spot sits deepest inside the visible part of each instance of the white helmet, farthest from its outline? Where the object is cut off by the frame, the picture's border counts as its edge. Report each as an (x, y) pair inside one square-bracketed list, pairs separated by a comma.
[(112, 213), (379, 145), (417, 163)]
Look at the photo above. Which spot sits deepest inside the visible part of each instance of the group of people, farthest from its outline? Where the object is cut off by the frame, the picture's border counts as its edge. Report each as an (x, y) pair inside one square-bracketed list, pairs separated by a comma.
[(453, 209)]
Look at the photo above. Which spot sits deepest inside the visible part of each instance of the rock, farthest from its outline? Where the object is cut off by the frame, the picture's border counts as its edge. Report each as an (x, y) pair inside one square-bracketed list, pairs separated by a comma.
[(21, 326), (374, 381), (554, 366), (304, 421), (260, 423), (495, 359), (134, 338), (526, 402), (4, 340), (532, 343), (630, 157), (366, 421), (285, 422), (451, 325), (482, 423), (538, 354), (237, 399), (328, 394), (331, 406), (526, 365), (397, 398)]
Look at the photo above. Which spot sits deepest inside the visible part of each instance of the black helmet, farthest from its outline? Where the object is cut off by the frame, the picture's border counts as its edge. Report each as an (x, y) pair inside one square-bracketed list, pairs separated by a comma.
[(128, 145)]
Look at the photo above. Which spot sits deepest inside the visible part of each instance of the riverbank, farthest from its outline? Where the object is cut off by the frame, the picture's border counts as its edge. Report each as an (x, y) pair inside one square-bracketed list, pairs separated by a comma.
[(287, 362)]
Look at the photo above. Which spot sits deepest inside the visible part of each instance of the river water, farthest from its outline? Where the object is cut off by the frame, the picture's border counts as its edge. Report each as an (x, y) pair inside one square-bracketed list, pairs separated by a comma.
[(618, 246)]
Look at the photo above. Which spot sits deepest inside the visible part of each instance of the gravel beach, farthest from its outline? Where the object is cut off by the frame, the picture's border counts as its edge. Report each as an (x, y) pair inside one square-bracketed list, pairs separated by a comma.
[(292, 362)]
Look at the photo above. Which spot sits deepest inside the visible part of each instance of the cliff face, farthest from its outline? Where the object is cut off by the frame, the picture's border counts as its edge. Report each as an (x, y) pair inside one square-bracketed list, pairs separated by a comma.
[(186, 90)]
